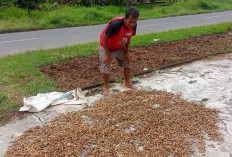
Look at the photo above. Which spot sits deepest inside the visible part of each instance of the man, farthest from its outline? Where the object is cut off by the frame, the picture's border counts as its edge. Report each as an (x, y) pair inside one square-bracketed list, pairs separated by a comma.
[(114, 43)]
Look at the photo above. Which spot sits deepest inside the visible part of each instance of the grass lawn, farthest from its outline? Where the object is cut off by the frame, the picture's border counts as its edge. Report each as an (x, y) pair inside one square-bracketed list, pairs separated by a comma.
[(20, 76), (15, 19)]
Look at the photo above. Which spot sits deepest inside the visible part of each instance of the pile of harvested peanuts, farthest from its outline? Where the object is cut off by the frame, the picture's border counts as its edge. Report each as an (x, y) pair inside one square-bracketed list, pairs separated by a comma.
[(130, 123)]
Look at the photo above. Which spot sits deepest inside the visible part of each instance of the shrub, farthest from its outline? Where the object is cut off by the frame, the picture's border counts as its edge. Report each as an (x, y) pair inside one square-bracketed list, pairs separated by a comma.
[(29, 4), (206, 5), (47, 7)]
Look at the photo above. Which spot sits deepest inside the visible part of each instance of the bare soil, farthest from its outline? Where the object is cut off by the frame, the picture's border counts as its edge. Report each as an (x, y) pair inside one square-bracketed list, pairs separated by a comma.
[(12, 115), (84, 71)]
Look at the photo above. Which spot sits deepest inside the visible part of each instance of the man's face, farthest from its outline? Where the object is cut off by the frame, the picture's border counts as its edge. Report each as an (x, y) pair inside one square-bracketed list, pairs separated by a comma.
[(130, 22)]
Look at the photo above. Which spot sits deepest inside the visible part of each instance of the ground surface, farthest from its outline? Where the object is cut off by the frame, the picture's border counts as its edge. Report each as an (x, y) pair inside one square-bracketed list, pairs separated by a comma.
[(207, 81), (84, 72)]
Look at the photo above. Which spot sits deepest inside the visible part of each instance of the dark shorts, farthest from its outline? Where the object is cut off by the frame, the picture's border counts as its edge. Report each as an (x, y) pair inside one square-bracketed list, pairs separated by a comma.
[(118, 54)]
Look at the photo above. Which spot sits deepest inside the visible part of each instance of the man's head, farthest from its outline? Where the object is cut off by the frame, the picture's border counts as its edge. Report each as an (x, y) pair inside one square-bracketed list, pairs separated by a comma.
[(131, 18)]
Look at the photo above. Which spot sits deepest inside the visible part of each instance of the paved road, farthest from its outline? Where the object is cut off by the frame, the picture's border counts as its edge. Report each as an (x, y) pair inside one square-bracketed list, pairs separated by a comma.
[(13, 43)]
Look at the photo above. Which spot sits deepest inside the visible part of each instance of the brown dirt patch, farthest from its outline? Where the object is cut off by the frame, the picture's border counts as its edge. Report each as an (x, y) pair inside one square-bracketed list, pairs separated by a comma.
[(131, 123), (84, 72), (11, 115)]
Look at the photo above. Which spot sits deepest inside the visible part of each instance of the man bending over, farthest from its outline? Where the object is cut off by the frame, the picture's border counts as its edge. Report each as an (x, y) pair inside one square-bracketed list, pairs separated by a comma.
[(114, 43)]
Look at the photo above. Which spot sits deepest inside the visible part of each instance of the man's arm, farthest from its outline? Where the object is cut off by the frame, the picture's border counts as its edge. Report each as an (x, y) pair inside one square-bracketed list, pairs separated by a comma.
[(108, 59), (127, 56)]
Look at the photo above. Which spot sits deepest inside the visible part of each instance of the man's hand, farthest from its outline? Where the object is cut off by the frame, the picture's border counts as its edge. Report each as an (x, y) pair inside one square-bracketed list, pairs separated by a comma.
[(127, 56), (107, 60)]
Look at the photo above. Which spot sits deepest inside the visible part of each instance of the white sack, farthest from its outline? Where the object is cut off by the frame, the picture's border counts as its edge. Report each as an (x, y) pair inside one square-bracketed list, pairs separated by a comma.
[(43, 100)]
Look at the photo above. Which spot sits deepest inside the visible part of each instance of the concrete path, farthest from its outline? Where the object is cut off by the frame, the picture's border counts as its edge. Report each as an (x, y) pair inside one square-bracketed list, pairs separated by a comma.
[(208, 81), (13, 43)]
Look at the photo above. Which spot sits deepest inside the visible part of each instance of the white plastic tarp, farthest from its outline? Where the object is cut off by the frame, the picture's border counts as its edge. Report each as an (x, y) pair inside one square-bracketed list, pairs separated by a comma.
[(43, 100)]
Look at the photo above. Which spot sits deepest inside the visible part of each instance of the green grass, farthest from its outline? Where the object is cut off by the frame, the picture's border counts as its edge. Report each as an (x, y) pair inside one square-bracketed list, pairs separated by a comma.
[(147, 39), (15, 19), (20, 76)]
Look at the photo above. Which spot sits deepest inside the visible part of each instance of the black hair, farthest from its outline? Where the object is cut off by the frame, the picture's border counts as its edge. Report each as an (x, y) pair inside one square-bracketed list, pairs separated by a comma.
[(133, 11)]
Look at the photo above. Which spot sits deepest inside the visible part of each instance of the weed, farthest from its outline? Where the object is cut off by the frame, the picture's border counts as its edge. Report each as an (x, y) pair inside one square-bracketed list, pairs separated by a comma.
[(119, 79), (175, 58)]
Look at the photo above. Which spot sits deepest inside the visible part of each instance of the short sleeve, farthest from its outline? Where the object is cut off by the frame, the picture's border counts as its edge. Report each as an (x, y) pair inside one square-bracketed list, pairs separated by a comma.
[(113, 28)]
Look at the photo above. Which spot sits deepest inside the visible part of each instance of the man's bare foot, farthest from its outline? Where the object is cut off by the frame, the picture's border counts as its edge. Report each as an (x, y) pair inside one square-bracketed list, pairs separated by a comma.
[(129, 85), (106, 92)]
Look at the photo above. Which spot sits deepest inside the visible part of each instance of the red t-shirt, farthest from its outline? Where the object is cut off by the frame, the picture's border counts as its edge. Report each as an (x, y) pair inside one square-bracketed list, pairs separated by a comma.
[(117, 34)]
